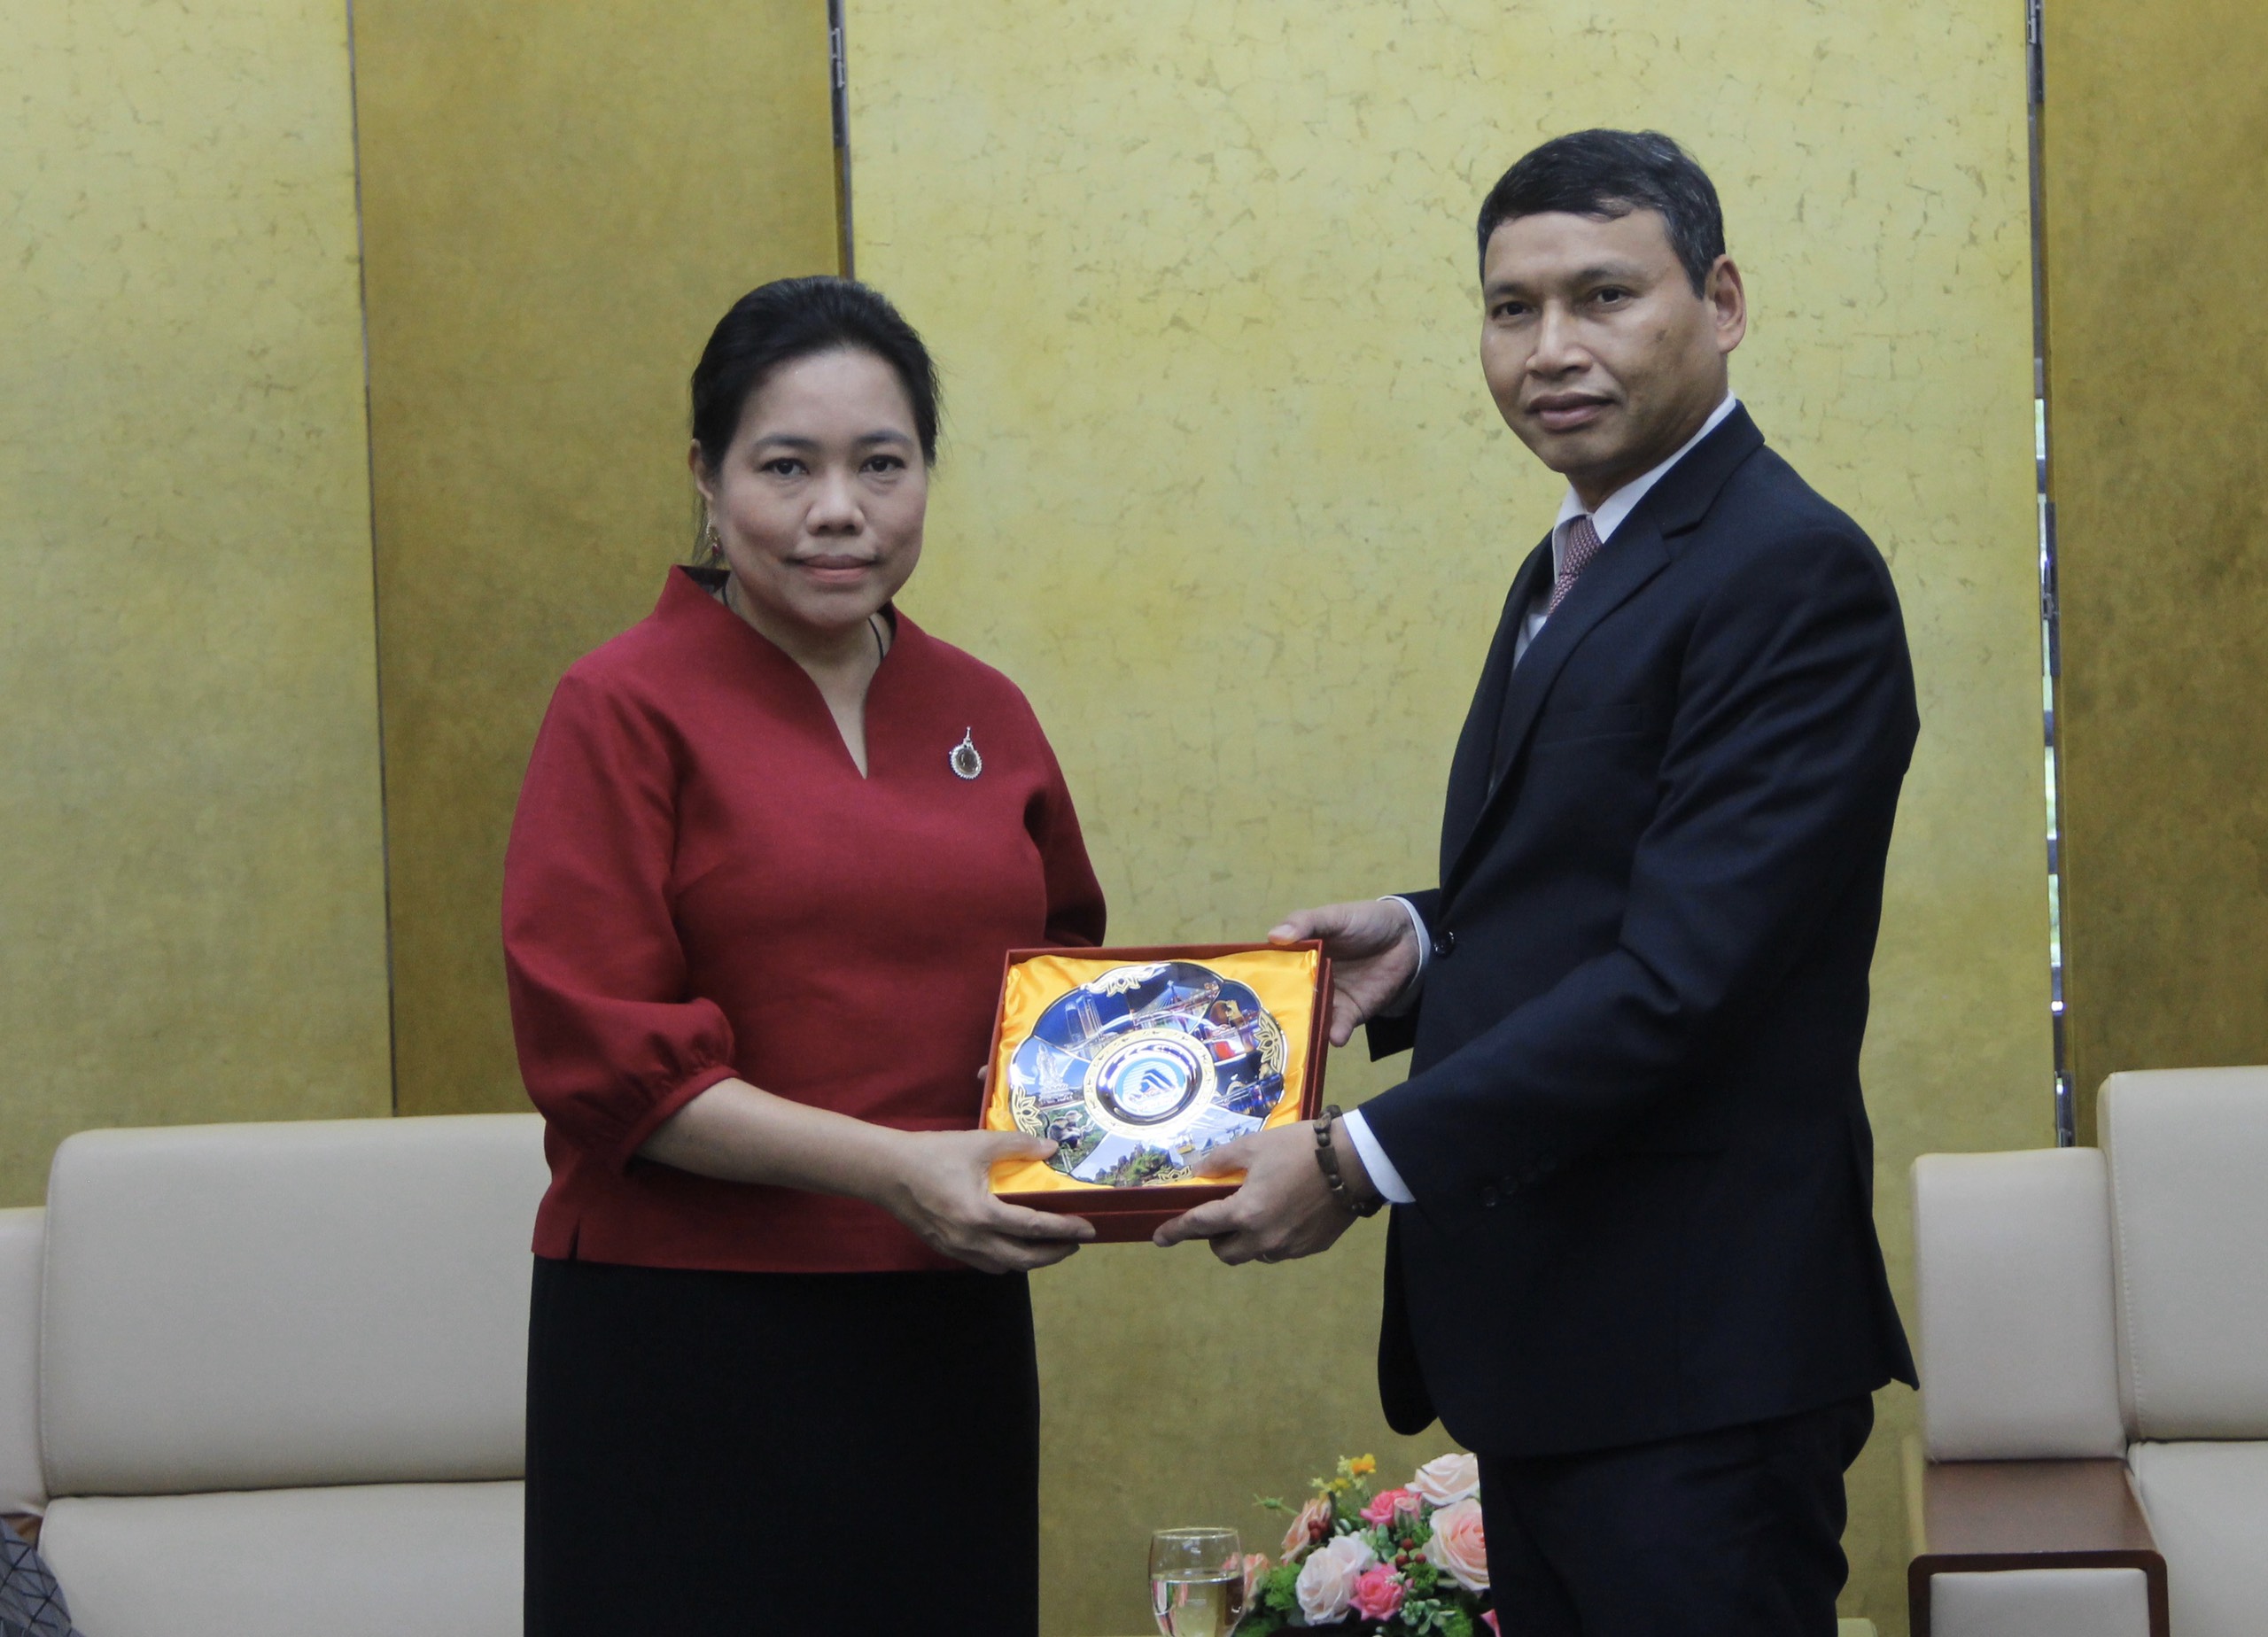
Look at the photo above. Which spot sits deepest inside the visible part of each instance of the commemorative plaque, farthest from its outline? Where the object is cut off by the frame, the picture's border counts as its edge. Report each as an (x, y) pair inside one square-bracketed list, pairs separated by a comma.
[(1134, 1062)]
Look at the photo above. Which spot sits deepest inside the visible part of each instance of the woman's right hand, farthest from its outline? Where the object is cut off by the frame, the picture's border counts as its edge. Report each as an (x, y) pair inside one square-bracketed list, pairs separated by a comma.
[(938, 1190)]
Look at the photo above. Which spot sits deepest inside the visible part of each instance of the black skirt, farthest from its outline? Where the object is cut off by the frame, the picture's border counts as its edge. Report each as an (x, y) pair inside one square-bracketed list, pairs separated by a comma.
[(739, 1453)]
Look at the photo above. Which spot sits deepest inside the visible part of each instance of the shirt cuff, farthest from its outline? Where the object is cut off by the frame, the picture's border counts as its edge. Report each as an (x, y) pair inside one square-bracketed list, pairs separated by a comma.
[(1384, 1177), (1401, 1002)]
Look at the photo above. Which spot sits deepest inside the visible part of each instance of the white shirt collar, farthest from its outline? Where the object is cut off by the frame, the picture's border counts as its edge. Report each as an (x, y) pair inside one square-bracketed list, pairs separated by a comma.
[(1623, 501)]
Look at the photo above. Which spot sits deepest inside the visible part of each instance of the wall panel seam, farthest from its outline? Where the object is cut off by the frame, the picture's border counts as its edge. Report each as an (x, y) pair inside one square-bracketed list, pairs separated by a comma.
[(370, 502)]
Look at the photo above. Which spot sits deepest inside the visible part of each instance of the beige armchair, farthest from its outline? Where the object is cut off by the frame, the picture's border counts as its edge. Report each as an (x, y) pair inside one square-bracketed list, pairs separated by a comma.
[(268, 1380), (2093, 1349)]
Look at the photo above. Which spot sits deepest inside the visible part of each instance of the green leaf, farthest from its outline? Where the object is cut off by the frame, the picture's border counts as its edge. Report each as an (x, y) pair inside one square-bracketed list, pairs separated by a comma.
[(1414, 1616)]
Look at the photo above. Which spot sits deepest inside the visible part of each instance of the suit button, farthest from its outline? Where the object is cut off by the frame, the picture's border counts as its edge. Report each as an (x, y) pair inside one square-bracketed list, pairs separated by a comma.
[(1445, 946), (1488, 1196)]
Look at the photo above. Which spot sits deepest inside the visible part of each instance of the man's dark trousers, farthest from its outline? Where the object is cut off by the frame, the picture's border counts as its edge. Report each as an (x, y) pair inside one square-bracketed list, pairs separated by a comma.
[(1732, 1533), (1644, 1230)]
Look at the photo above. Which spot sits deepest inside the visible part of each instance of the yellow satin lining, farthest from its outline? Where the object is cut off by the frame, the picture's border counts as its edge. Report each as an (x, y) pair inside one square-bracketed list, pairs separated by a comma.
[(1283, 978)]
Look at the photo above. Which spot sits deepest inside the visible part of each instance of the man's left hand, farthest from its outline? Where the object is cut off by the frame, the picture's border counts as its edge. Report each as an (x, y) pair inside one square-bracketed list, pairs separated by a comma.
[(1284, 1209)]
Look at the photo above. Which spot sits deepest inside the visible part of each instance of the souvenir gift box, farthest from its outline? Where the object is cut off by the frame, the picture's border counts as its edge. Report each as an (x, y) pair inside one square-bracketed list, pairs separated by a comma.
[(1135, 1061)]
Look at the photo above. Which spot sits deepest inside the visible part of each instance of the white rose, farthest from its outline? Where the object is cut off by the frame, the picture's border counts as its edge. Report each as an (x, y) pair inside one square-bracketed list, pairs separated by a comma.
[(1448, 1478), (1326, 1582), (1459, 1547)]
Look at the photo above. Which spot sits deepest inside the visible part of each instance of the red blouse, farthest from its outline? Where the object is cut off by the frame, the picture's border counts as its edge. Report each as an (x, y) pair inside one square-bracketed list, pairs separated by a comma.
[(699, 885)]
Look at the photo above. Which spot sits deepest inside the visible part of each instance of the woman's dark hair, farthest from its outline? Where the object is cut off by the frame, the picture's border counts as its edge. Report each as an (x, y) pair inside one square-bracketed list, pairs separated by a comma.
[(1609, 174), (792, 318)]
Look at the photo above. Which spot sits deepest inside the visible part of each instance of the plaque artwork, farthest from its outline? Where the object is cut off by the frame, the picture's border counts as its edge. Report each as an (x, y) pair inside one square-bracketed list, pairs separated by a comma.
[(1140, 1070)]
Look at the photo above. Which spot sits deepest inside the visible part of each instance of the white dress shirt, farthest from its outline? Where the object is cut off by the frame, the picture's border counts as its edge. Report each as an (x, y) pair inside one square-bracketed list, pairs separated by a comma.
[(1605, 521)]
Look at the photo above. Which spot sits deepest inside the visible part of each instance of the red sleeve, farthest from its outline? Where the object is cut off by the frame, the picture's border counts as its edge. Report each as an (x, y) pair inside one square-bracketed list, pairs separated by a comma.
[(610, 1044), (1074, 906)]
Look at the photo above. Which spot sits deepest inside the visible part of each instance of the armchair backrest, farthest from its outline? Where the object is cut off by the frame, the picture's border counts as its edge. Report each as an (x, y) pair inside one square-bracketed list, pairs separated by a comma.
[(2014, 1320), (2188, 1161), (269, 1305), (21, 1488)]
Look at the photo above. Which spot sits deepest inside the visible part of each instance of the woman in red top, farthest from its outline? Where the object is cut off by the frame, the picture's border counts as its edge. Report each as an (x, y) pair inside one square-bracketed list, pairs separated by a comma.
[(772, 844)]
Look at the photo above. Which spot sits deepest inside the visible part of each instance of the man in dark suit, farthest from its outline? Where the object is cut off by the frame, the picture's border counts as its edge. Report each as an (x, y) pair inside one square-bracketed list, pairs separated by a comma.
[(1633, 1263)]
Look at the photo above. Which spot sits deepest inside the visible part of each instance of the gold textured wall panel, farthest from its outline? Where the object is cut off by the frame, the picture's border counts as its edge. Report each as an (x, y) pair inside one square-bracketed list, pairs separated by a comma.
[(192, 890), (2155, 148), (1223, 490), (560, 200)]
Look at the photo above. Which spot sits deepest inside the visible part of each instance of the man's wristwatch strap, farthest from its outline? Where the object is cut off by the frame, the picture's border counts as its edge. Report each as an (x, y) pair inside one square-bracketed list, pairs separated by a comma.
[(1326, 1159)]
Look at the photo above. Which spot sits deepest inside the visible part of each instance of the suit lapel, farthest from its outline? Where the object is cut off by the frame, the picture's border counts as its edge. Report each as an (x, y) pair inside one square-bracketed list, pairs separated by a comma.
[(1637, 553), (1469, 769), (1633, 557)]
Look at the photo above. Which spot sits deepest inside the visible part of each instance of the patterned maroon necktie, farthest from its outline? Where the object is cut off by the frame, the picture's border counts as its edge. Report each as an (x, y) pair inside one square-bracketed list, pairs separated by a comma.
[(1582, 545)]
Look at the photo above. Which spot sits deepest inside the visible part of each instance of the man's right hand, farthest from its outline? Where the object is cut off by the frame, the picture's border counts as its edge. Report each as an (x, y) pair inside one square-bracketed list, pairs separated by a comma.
[(1373, 951)]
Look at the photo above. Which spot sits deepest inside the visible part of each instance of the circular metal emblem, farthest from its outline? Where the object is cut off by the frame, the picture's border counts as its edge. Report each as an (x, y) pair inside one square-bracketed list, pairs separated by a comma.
[(1135, 1073), (1145, 1079)]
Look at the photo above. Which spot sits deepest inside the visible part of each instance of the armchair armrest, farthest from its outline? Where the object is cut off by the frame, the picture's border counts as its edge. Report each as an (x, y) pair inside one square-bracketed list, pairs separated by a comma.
[(1983, 1516)]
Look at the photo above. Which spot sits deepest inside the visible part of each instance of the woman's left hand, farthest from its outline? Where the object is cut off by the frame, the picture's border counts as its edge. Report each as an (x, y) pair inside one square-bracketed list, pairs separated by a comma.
[(937, 1187), (934, 1182)]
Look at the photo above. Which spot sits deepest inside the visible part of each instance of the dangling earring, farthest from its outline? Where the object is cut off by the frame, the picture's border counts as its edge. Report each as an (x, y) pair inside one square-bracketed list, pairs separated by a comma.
[(713, 544)]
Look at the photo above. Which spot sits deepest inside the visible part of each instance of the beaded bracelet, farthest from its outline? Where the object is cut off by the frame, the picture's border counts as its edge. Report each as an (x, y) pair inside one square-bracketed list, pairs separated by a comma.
[(1327, 1158)]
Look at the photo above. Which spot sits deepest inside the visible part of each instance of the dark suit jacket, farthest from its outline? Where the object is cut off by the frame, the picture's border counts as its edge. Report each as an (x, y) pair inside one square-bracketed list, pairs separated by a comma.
[(1643, 1174)]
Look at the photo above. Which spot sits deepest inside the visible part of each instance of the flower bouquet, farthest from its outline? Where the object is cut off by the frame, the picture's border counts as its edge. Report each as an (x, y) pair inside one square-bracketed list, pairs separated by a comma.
[(1401, 1563)]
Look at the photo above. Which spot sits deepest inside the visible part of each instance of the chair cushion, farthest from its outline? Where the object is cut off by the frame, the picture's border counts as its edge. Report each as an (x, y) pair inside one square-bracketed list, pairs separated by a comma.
[(21, 1489), (2040, 1602), (2012, 1265), (441, 1560), (269, 1305), (2187, 1150), (2208, 1505)]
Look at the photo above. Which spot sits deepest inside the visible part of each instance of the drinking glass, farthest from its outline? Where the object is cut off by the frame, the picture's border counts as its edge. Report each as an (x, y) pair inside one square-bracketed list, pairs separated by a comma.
[(1197, 1581)]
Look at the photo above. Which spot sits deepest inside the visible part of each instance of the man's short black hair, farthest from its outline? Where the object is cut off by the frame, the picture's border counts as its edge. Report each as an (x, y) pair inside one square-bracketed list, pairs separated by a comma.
[(1609, 174)]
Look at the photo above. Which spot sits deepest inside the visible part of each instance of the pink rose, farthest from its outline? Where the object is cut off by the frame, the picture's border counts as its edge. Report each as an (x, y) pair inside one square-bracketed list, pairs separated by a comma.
[(1326, 1582), (1458, 1548), (1489, 1614), (1312, 1525), (1378, 1593), (1255, 1570), (1447, 1479), (1383, 1507)]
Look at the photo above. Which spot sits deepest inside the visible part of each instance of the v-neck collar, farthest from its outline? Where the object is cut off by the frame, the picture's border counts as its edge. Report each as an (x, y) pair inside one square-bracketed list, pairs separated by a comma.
[(690, 598)]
